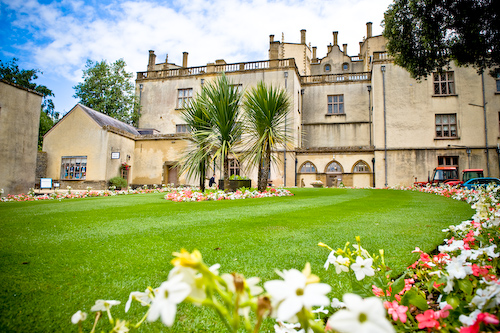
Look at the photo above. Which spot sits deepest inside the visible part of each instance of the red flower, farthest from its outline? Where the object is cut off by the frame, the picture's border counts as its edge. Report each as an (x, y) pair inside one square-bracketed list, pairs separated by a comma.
[(427, 319)]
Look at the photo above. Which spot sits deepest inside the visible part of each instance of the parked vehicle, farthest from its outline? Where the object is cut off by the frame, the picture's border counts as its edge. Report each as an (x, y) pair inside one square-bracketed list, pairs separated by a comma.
[(480, 182), (449, 176)]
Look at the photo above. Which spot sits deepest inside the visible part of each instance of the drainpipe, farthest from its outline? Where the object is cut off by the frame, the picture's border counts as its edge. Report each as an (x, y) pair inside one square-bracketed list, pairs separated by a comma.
[(382, 68), (485, 127), (284, 161), (370, 111), (373, 168)]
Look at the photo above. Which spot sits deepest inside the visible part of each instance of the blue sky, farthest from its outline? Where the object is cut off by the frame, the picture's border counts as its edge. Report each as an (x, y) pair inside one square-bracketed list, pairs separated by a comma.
[(57, 37)]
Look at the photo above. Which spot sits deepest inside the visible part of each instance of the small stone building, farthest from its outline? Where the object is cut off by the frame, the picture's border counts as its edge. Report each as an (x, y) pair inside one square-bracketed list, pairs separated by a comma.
[(19, 122)]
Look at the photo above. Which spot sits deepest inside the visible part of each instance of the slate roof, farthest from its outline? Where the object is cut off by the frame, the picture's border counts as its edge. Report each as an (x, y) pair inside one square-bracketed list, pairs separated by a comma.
[(105, 120)]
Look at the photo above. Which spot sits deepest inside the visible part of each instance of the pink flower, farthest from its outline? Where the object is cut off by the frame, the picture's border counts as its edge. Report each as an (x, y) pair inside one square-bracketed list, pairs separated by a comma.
[(427, 319), (377, 291), (487, 318), (396, 311), (443, 313)]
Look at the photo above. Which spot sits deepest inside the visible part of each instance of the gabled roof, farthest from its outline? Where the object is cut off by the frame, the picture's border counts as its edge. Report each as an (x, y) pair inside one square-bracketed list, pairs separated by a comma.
[(105, 120)]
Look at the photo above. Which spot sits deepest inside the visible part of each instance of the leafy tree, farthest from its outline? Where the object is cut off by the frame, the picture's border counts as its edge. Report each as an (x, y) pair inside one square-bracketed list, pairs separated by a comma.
[(266, 109), (425, 35), (197, 157), (107, 88), (24, 77), (221, 101)]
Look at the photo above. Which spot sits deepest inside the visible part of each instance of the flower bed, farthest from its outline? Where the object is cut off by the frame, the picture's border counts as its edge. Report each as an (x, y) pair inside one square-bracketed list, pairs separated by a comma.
[(183, 195), (455, 289)]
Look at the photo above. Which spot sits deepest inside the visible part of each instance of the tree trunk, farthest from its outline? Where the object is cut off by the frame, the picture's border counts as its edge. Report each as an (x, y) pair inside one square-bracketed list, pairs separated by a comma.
[(260, 175), (202, 176), (226, 173), (265, 167)]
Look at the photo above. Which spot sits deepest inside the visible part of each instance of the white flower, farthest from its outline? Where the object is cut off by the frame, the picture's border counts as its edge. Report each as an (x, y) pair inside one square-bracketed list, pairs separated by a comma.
[(169, 294), (144, 298), (337, 304), (340, 263), (78, 317), (193, 279), (455, 269), (121, 327), (469, 320), (287, 328), (293, 293), (102, 305), (363, 267), (362, 316)]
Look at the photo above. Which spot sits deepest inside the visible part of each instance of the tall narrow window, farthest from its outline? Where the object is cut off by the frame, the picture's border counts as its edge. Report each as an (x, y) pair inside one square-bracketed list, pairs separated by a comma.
[(74, 167), (234, 167), (184, 97), (446, 125), (335, 104), (444, 84)]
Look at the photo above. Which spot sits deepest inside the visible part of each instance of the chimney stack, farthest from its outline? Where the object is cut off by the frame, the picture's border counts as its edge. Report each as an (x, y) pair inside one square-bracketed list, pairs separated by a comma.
[(335, 38), (314, 52), (345, 48), (184, 59), (303, 36), (368, 30), (152, 60), (271, 38)]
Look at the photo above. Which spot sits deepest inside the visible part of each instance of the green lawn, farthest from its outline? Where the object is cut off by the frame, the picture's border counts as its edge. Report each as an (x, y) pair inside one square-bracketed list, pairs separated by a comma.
[(58, 257)]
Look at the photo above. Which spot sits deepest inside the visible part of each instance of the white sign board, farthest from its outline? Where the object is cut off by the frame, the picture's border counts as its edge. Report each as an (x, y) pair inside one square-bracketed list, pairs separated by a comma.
[(115, 156), (45, 182)]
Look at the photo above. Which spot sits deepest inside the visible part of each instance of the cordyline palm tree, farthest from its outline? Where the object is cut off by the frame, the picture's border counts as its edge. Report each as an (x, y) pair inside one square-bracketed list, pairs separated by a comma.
[(221, 101), (197, 156), (266, 109)]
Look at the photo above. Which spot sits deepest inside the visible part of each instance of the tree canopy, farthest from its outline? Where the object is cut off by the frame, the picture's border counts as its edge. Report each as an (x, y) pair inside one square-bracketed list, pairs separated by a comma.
[(425, 35), (107, 88), (24, 77)]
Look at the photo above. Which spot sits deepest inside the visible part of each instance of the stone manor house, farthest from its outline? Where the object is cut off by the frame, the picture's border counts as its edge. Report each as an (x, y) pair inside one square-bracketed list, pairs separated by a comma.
[(355, 120)]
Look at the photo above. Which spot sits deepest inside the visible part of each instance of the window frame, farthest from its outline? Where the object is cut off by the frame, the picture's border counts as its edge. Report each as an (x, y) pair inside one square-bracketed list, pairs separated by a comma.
[(338, 170), (448, 161), (366, 167), (183, 126), (308, 167), (70, 169), (441, 124), (234, 167), (331, 104), (444, 86), (183, 99)]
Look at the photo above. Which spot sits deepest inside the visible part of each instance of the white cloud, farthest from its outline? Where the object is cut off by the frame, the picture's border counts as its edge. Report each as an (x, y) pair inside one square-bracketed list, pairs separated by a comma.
[(68, 32)]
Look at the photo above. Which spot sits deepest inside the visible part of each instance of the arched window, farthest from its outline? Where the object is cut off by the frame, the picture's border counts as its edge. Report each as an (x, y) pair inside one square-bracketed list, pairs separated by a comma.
[(361, 166), (327, 68), (334, 167), (308, 167)]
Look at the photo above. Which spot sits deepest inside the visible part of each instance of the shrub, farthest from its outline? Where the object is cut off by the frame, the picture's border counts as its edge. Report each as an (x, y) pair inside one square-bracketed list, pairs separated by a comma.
[(118, 182)]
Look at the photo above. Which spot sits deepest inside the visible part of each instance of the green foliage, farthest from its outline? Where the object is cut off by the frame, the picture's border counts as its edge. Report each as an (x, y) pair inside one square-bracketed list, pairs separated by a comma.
[(24, 77), (118, 182), (425, 35), (266, 109), (107, 88), (237, 177)]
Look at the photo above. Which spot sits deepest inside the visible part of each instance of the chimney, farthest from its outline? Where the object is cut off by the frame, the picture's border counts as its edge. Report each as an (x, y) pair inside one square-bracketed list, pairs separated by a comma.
[(330, 48), (303, 36), (345, 48), (368, 30), (184, 59), (335, 38), (152, 60), (314, 52), (271, 38)]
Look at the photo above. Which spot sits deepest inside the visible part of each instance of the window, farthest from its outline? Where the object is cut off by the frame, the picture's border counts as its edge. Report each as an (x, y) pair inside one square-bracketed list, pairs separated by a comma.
[(345, 66), (327, 68), (335, 104), (182, 128), (234, 167), (444, 84), (361, 167), (184, 97), (446, 125), (498, 82), (334, 167), (451, 161), (73, 167), (308, 167)]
